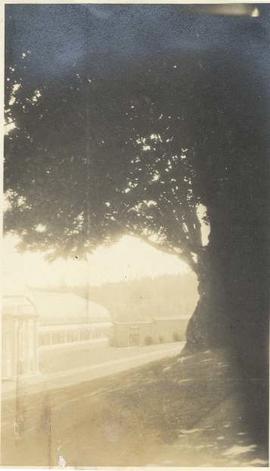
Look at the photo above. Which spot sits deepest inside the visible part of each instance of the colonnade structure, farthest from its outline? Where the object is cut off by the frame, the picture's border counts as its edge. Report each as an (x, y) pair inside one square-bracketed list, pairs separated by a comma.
[(46, 319), (19, 337)]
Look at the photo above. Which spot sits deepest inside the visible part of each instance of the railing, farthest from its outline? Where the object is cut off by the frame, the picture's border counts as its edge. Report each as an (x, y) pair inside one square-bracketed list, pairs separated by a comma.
[(66, 334)]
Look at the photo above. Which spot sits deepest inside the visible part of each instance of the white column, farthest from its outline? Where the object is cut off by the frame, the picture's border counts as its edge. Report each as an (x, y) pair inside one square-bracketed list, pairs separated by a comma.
[(36, 346)]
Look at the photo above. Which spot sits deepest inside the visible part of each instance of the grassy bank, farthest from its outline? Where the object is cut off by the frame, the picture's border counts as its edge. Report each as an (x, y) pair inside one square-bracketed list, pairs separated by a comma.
[(183, 411)]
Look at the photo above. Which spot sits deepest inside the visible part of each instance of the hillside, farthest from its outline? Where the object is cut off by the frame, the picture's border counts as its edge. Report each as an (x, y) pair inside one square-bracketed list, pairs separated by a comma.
[(183, 411), (166, 296)]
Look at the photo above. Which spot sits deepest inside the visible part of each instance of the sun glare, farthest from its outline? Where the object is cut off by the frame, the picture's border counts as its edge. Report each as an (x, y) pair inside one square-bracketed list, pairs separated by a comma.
[(129, 259)]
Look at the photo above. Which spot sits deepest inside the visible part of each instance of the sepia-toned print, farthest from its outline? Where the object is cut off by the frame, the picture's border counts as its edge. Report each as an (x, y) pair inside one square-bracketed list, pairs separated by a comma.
[(135, 298)]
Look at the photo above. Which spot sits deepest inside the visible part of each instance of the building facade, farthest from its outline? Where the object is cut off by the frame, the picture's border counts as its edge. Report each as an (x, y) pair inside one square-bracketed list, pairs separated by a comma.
[(158, 330), (46, 319), (67, 318)]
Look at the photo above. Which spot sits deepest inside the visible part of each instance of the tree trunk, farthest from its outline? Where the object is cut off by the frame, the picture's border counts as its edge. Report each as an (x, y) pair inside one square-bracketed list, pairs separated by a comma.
[(232, 312), (206, 328)]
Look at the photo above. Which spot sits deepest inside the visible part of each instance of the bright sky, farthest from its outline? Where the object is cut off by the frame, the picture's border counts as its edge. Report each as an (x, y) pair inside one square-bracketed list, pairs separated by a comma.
[(129, 259)]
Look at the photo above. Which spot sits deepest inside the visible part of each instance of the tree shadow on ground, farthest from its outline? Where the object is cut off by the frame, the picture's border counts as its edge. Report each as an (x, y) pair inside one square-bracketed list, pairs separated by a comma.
[(183, 411)]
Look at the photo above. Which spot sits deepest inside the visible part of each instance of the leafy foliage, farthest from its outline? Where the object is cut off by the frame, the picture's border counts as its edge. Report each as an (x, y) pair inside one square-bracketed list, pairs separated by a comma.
[(95, 156), (90, 160)]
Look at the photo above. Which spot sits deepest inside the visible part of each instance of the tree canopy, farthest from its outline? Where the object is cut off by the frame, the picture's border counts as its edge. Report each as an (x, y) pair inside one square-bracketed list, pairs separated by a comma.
[(90, 160), (93, 156)]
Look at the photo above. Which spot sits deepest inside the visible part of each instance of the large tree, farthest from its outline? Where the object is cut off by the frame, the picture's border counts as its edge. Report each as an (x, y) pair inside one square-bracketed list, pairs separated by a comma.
[(138, 141)]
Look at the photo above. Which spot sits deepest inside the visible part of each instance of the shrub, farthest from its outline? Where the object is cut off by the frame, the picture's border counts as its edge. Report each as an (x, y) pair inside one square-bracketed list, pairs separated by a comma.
[(176, 337), (148, 340)]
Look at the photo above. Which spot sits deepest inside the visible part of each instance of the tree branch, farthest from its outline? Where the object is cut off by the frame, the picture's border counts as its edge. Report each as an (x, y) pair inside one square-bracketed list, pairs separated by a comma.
[(165, 248)]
